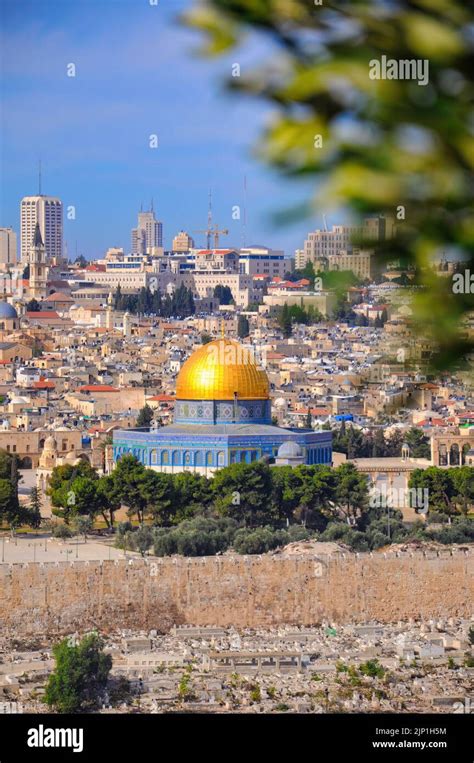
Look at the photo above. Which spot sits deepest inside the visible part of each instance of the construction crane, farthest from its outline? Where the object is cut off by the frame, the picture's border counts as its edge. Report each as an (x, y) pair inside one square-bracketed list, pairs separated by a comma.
[(210, 230), (215, 232)]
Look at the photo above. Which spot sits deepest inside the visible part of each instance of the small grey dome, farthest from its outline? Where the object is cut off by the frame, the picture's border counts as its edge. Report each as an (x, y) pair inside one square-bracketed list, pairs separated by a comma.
[(7, 311), (290, 449)]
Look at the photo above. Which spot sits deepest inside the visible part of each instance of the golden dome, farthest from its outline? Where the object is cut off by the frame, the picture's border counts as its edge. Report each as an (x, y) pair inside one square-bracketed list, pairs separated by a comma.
[(218, 370)]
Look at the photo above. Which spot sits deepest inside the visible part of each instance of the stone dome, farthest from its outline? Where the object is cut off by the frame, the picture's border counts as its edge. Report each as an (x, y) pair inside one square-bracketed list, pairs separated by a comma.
[(290, 449), (222, 370), (7, 311), (50, 443)]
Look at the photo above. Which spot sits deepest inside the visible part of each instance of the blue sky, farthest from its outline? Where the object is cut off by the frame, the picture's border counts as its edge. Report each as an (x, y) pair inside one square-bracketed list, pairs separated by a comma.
[(136, 74)]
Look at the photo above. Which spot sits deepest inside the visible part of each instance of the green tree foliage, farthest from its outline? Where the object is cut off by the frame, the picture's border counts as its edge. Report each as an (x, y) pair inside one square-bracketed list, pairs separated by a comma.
[(141, 540), (243, 327), (351, 492), (34, 508), (161, 496), (166, 498), (33, 306), (372, 668), (130, 482), (80, 676), (259, 540), (62, 531), (463, 483), (145, 416), (70, 489), (223, 294), (241, 491), (287, 315), (11, 512), (83, 525), (384, 145), (450, 491), (179, 305), (108, 499), (9, 506), (192, 494), (201, 536), (357, 444), (284, 321), (418, 443)]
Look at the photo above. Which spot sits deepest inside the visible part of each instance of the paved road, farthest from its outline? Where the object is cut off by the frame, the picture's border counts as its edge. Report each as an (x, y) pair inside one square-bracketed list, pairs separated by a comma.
[(47, 549)]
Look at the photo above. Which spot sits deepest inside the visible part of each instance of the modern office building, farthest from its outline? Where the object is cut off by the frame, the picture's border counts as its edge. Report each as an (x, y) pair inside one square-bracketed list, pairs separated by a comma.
[(182, 242), (47, 211), (321, 244), (262, 261), (8, 247), (148, 235)]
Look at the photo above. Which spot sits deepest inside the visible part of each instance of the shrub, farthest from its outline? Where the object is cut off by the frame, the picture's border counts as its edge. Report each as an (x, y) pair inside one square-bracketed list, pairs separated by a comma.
[(298, 532), (140, 540), (62, 531), (259, 540), (256, 694), (335, 531), (378, 540), (356, 540), (372, 668), (200, 536), (460, 531), (80, 676)]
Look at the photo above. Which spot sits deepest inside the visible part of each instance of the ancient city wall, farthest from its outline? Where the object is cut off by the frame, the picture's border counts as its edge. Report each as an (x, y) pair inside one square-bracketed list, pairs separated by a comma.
[(240, 591)]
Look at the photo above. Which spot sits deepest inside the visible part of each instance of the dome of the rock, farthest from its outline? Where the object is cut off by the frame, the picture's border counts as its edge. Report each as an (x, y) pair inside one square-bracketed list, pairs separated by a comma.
[(222, 370)]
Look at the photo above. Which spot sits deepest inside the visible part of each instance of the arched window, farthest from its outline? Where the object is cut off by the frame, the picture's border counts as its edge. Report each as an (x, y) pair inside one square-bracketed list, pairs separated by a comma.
[(209, 458), (175, 457), (154, 456), (221, 458), (465, 450), (187, 458)]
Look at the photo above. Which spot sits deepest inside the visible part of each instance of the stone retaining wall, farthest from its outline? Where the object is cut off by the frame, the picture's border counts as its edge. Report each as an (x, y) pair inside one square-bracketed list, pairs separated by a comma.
[(240, 591)]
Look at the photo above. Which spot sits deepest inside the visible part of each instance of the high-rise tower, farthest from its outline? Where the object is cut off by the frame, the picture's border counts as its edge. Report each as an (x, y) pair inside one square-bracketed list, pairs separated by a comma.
[(148, 235), (47, 212)]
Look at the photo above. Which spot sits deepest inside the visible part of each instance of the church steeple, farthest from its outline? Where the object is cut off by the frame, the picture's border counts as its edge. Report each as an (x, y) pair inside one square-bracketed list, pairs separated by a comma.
[(37, 238), (38, 266)]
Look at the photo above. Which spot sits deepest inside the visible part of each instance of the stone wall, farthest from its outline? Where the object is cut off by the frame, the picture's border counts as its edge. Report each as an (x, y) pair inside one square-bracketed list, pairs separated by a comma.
[(241, 591)]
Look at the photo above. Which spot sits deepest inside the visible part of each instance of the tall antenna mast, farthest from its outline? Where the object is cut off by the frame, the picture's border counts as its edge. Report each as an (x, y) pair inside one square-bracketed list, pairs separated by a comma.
[(244, 227), (39, 178), (209, 220)]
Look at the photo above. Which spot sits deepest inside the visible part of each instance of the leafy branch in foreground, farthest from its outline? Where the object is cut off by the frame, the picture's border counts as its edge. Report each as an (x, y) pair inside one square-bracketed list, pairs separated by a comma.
[(390, 146)]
